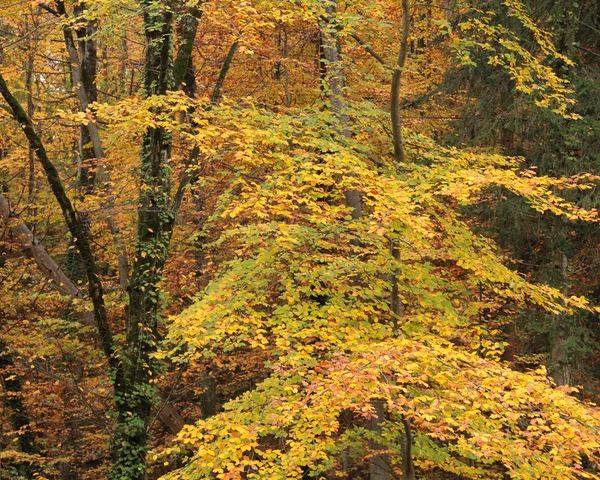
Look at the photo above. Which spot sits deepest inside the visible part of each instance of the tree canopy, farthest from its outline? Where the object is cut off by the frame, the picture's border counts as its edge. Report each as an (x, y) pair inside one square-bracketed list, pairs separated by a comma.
[(310, 239)]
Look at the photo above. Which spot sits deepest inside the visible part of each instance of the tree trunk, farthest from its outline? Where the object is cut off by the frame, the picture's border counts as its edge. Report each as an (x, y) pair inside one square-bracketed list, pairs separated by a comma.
[(560, 367), (379, 463), (132, 371), (183, 72), (88, 62), (395, 89), (136, 396), (84, 82), (78, 227), (19, 418)]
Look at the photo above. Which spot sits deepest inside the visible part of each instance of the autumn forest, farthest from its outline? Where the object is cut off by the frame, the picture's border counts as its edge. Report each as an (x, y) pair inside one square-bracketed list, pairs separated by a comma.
[(299, 239)]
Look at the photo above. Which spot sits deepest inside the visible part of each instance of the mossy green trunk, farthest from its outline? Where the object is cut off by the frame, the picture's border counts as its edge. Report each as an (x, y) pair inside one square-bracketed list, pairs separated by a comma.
[(136, 395)]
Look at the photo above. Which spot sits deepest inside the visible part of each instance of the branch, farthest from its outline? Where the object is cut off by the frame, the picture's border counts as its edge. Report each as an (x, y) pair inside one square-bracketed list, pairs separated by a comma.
[(372, 52), (187, 178), (418, 100), (26, 238), (223, 73), (587, 50), (49, 9), (48, 266)]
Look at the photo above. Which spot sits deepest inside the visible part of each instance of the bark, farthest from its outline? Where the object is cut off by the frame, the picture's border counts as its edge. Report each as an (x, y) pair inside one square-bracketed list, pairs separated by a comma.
[(369, 49), (379, 463), (560, 366), (87, 64), (135, 395), (396, 82), (395, 301), (334, 85), (286, 72), (188, 178), (171, 418), (334, 78), (223, 73), (123, 64), (21, 233), (130, 388), (23, 236), (78, 228), (408, 467), (183, 71), (30, 108), (80, 80)]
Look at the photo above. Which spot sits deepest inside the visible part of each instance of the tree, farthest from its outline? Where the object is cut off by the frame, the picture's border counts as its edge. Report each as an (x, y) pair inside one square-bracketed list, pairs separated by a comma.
[(330, 338)]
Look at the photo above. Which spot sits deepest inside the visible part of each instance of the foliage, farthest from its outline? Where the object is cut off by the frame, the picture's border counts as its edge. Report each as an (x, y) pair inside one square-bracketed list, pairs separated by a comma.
[(312, 286), (260, 307)]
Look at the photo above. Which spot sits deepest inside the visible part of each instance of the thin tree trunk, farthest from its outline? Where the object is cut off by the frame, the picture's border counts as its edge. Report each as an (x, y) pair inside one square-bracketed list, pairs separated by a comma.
[(123, 64), (379, 468), (560, 367), (223, 73), (408, 469), (334, 86), (379, 463), (21, 233), (80, 80), (30, 111), (395, 89), (395, 301), (131, 376), (286, 71)]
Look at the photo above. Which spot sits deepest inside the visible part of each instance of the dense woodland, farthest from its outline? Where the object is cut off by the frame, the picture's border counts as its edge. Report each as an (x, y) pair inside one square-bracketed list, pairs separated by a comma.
[(299, 239)]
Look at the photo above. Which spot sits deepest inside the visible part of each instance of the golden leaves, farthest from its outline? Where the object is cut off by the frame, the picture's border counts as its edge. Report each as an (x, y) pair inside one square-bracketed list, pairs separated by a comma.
[(289, 286)]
